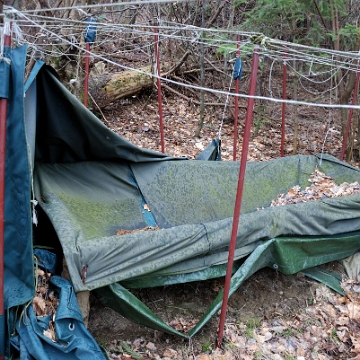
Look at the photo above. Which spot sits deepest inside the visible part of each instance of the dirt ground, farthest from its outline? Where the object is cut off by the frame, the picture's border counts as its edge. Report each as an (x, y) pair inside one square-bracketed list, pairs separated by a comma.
[(271, 316), (266, 296)]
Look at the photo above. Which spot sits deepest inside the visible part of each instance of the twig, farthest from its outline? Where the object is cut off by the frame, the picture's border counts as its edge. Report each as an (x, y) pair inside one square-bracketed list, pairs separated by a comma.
[(183, 59), (195, 71), (215, 16), (29, 69), (102, 114), (215, 68)]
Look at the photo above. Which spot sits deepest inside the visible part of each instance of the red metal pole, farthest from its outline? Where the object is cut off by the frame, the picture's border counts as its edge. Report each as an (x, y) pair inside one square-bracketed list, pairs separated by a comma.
[(86, 80), (157, 57), (3, 117), (240, 186), (346, 135), (283, 108), (236, 112)]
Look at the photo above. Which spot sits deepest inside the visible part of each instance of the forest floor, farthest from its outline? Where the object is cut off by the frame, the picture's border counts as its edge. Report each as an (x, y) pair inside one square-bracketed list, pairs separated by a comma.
[(271, 316)]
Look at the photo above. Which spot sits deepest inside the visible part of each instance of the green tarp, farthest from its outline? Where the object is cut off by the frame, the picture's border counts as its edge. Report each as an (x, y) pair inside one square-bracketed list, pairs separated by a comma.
[(192, 204), (90, 183), (93, 185)]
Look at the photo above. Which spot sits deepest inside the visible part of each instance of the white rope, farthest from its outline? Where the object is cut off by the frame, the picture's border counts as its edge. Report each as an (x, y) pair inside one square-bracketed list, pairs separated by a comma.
[(265, 42), (4, 31), (107, 5), (272, 54), (34, 213)]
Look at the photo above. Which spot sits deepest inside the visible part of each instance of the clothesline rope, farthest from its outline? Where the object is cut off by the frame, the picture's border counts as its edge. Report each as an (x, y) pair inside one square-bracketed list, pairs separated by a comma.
[(53, 34)]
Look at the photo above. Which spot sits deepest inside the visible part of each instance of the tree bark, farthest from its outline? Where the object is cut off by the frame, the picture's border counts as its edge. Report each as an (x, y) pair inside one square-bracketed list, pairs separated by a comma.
[(110, 88)]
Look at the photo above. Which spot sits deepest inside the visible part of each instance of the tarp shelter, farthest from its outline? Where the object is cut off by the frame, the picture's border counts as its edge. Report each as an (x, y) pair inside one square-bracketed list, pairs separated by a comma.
[(94, 189)]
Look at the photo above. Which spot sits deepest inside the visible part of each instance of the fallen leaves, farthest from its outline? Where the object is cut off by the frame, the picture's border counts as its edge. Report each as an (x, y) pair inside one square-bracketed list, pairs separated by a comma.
[(45, 301), (322, 187), (182, 325), (147, 228), (328, 328)]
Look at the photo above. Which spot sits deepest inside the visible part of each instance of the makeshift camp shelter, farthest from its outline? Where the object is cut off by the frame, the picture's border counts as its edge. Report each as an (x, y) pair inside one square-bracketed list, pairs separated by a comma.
[(94, 190)]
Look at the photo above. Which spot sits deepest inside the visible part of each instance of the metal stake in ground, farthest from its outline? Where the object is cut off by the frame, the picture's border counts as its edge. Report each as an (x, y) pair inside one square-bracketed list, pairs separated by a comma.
[(89, 37), (239, 192), (346, 135), (5, 66), (283, 108), (237, 77), (86, 80), (157, 58)]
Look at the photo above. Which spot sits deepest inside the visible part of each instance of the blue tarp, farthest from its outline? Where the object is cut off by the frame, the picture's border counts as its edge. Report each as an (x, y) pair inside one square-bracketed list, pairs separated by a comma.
[(18, 256), (22, 331)]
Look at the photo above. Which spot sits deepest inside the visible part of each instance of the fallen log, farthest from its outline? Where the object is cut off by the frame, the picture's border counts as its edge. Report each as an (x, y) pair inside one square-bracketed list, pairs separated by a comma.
[(107, 89)]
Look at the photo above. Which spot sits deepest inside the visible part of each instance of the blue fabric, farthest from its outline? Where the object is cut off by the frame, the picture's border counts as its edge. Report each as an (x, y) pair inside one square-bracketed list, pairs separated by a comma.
[(46, 260), (18, 260), (73, 341), (237, 69), (38, 65), (90, 31), (5, 79)]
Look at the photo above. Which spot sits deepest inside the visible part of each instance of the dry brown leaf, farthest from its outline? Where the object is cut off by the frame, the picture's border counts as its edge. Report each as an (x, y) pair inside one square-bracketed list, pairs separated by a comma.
[(147, 228), (50, 334), (39, 272), (356, 344), (39, 306), (354, 311), (322, 186)]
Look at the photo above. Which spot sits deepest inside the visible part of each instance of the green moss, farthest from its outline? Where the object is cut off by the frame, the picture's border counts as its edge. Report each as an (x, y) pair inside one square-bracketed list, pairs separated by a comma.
[(102, 219)]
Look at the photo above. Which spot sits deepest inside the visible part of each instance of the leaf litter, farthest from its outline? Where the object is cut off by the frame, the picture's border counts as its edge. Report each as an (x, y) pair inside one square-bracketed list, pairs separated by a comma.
[(322, 187), (45, 301)]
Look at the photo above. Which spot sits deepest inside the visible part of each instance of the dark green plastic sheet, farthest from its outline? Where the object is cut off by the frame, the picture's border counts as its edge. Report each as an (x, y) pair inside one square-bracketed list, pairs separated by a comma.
[(277, 254), (93, 185), (192, 203)]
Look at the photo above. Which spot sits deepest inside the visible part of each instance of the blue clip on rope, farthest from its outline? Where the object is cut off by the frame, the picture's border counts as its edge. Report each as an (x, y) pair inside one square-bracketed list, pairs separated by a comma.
[(237, 69), (90, 31)]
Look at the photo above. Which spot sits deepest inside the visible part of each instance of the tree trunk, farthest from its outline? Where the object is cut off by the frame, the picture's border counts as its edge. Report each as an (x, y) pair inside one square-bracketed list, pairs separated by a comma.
[(202, 75), (107, 89)]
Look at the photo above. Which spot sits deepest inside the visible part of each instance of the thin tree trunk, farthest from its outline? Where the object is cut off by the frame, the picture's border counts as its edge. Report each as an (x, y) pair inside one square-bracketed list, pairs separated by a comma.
[(295, 114), (202, 74)]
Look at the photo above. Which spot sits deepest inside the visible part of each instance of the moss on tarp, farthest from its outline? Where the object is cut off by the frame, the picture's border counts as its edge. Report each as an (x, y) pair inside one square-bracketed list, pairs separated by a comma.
[(99, 219), (192, 202)]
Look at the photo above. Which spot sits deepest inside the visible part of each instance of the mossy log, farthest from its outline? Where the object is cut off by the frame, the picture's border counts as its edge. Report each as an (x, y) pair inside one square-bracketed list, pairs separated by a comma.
[(110, 88)]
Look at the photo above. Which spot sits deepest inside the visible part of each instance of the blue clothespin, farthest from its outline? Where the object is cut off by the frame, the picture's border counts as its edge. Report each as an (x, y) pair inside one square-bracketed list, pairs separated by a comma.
[(90, 30), (237, 69)]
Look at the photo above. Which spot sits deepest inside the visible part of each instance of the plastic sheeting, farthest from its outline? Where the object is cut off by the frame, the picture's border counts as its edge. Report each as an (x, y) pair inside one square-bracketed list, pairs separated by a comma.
[(94, 185), (18, 262), (191, 202), (73, 341)]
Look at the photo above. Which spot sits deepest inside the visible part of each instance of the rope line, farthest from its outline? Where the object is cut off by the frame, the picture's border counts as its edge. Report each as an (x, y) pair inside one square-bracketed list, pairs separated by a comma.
[(55, 36)]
